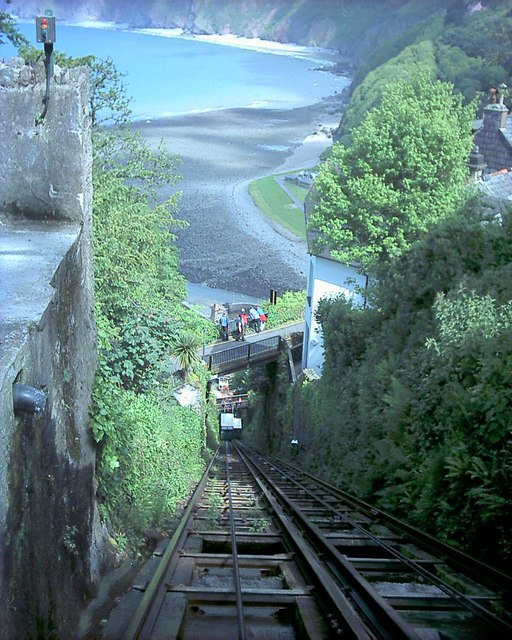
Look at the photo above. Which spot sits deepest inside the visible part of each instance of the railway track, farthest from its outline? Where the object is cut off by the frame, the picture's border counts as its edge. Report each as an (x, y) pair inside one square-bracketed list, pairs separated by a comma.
[(267, 551)]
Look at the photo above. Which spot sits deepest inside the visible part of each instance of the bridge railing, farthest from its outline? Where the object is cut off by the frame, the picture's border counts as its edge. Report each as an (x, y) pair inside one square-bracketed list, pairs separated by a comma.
[(232, 403), (242, 354)]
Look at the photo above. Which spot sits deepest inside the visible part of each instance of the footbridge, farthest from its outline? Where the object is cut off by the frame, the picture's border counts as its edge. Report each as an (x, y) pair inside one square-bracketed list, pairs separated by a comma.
[(230, 356)]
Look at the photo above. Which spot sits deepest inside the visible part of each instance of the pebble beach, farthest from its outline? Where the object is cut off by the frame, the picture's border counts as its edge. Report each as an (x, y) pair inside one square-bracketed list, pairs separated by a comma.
[(229, 244)]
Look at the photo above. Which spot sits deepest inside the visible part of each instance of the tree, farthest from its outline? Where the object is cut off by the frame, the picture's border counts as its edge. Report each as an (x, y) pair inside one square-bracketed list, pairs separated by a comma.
[(133, 250), (108, 102), (372, 80), (405, 170), (9, 31)]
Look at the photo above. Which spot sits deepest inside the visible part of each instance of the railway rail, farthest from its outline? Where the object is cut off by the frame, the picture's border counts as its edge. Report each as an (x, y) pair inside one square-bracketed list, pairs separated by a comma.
[(267, 551)]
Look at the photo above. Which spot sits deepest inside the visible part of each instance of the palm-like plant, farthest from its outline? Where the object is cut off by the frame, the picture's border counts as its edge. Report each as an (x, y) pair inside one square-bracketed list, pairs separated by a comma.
[(185, 350)]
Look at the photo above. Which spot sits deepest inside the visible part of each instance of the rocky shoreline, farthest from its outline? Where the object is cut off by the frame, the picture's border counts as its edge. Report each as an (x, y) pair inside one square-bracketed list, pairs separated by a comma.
[(229, 244)]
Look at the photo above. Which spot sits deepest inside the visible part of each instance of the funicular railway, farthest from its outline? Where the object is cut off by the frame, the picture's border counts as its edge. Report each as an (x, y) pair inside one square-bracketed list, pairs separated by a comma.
[(265, 550)]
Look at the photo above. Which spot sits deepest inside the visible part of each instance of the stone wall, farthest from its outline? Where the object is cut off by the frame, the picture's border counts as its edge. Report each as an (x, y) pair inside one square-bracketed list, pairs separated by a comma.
[(46, 168), (51, 543)]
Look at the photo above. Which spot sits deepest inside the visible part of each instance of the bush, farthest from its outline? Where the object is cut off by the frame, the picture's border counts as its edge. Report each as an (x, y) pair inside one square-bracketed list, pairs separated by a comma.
[(412, 412), (150, 460), (288, 308)]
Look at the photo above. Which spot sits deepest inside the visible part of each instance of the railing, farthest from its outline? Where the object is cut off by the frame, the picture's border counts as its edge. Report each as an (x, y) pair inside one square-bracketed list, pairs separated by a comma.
[(237, 357), (231, 403)]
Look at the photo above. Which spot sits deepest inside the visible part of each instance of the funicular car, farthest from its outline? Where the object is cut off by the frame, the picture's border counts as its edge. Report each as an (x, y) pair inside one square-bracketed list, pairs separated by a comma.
[(230, 426)]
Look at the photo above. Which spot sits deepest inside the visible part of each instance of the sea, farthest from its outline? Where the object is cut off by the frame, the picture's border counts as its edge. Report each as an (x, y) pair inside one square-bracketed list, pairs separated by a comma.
[(167, 74)]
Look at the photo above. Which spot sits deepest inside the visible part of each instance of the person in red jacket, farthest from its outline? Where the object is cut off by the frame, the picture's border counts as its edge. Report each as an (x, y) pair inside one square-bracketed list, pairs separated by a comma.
[(245, 320)]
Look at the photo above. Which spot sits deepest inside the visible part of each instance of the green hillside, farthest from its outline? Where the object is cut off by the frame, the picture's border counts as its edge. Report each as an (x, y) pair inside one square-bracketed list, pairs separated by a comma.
[(469, 49)]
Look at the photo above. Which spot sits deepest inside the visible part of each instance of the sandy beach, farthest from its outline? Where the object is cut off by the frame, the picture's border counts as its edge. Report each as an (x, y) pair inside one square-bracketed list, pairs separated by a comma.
[(229, 244)]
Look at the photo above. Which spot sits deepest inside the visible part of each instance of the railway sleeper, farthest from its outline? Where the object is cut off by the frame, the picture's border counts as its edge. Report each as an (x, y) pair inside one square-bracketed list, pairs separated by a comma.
[(197, 616)]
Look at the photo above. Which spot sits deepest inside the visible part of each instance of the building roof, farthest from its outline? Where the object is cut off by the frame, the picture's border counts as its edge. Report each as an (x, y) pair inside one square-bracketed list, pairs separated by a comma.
[(497, 187)]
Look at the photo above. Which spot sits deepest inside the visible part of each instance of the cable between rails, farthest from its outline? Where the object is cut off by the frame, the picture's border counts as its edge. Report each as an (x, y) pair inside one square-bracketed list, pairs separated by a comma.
[(234, 551)]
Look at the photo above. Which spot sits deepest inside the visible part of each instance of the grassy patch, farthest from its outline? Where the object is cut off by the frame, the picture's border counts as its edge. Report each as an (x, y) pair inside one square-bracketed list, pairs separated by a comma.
[(276, 204), (299, 192)]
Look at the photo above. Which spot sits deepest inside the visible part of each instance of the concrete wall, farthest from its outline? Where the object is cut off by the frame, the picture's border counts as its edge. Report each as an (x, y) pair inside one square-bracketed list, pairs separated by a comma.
[(50, 538)]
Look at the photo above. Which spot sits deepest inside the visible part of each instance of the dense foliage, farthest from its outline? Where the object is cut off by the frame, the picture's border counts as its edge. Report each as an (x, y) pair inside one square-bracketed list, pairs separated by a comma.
[(404, 171), (413, 409), (288, 308), (150, 447), (135, 262), (149, 460)]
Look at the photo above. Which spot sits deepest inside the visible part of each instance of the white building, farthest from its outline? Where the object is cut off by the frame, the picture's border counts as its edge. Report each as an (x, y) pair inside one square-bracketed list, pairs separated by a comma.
[(327, 278)]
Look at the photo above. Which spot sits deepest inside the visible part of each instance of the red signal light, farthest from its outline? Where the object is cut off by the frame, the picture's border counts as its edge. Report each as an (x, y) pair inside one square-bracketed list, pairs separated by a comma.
[(45, 29)]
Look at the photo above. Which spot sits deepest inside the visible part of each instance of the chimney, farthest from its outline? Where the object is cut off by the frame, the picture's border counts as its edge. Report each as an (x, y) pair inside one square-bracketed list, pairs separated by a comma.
[(476, 165), (495, 113)]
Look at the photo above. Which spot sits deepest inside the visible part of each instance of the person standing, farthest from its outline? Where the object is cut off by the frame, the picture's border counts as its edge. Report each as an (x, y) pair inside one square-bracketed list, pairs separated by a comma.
[(239, 328), (245, 319), (224, 327), (262, 316), (255, 319)]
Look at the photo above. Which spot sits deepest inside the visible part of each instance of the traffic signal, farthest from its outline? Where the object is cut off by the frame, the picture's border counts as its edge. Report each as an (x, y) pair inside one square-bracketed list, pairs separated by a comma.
[(45, 29)]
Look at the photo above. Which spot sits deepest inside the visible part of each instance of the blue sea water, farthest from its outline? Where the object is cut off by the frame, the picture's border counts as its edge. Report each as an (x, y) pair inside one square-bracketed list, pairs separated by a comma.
[(168, 76)]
